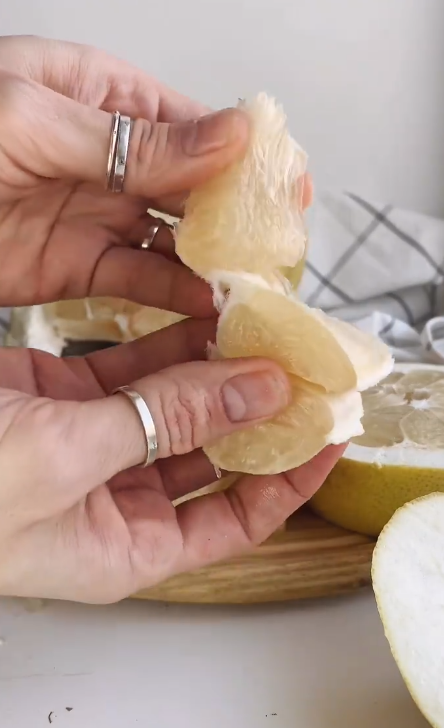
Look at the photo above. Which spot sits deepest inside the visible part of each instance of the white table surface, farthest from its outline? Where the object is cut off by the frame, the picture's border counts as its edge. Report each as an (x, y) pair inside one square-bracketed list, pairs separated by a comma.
[(314, 665)]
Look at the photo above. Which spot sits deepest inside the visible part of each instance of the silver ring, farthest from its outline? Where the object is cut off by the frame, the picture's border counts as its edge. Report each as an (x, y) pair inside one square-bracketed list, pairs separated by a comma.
[(112, 148), (123, 140), (147, 421), (153, 230), (118, 152), (149, 240)]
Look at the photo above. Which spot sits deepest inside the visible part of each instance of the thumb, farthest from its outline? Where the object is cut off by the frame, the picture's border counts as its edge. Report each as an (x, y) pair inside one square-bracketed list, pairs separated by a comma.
[(191, 404), (55, 136)]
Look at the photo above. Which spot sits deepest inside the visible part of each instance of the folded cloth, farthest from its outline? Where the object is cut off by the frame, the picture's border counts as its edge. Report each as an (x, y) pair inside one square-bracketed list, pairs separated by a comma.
[(378, 266), (381, 268), (4, 322)]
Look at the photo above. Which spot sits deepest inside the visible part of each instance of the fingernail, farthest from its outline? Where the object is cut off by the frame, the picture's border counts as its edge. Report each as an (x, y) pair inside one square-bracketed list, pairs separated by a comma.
[(214, 131), (256, 395)]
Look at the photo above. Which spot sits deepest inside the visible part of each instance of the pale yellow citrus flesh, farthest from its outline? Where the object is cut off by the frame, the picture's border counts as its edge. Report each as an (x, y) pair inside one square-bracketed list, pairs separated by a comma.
[(405, 408), (285, 442), (406, 411), (249, 218), (275, 326), (256, 321), (106, 318), (221, 484), (147, 320), (243, 232), (294, 274), (305, 342)]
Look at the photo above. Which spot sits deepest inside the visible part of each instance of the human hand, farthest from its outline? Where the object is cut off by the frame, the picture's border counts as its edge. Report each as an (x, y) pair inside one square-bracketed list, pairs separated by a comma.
[(61, 234), (77, 519)]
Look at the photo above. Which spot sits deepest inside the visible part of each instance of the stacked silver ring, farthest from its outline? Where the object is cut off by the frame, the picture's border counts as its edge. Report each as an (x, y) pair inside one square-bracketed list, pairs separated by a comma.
[(118, 152)]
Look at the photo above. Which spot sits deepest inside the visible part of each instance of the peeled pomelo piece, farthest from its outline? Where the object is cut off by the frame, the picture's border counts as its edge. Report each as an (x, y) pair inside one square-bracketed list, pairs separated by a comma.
[(147, 320), (257, 321), (243, 232), (294, 275), (400, 456), (408, 581), (313, 420), (222, 483), (249, 218), (73, 320)]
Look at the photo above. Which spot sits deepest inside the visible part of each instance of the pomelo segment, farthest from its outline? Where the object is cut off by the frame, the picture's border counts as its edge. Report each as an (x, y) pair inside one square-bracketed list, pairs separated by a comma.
[(244, 233), (313, 420), (408, 581), (369, 356), (249, 218), (305, 342)]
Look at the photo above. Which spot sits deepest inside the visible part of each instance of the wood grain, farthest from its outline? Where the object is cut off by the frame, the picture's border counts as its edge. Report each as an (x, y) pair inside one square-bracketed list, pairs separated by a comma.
[(310, 558)]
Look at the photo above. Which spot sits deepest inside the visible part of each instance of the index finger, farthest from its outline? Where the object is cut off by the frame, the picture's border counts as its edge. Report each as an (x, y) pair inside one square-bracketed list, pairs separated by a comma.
[(107, 82), (174, 204), (177, 344)]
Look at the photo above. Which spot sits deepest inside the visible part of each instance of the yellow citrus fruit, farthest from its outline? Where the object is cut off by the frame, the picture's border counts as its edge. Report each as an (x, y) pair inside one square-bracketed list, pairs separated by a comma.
[(398, 459), (408, 581), (244, 233)]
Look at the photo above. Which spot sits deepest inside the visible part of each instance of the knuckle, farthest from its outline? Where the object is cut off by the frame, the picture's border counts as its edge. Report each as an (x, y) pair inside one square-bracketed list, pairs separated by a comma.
[(141, 146), (148, 148), (188, 417)]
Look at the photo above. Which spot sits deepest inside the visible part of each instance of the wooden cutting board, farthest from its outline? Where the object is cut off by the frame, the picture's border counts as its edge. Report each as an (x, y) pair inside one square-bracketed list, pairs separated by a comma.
[(309, 559)]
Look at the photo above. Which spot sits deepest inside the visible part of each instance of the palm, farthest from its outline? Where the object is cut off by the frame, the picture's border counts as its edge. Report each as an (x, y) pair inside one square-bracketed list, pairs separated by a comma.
[(120, 537), (67, 231), (124, 534)]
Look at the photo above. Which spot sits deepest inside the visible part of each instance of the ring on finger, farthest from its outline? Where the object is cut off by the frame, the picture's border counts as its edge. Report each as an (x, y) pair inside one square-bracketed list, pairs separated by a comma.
[(118, 152), (146, 420), (153, 229)]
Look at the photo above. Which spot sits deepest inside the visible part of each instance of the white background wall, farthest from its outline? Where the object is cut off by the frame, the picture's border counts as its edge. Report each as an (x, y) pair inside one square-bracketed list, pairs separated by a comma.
[(362, 80)]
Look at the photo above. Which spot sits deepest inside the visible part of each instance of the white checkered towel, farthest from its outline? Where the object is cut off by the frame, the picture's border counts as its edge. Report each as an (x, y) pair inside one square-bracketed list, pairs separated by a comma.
[(378, 266), (381, 268)]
